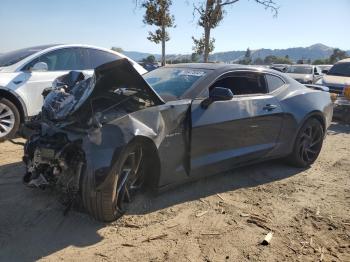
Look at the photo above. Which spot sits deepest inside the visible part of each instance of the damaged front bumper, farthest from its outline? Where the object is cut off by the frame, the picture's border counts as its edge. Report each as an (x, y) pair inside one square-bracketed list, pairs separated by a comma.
[(54, 160)]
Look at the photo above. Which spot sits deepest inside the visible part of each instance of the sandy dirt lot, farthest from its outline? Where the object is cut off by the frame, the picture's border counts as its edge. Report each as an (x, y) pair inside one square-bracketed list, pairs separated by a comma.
[(221, 218)]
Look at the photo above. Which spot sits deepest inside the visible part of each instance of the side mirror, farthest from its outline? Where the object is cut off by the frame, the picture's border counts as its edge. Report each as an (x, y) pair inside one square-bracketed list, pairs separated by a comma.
[(217, 94), (40, 67), (325, 71), (221, 94), (316, 73)]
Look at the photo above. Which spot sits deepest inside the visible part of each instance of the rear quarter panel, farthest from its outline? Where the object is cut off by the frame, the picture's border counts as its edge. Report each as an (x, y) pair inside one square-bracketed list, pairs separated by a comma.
[(299, 103)]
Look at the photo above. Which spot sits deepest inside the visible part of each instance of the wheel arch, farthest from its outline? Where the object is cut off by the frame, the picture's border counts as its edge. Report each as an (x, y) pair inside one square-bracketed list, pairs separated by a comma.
[(317, 115), (314, 114), (16, 100), (153, 165)]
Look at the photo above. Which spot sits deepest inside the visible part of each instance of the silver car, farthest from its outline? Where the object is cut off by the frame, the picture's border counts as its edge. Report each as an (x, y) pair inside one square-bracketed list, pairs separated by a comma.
[(305, 74), (25, 73)]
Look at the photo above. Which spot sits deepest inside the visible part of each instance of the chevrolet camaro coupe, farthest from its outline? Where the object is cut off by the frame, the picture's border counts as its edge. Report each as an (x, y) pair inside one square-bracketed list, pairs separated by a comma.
[(99, 140)]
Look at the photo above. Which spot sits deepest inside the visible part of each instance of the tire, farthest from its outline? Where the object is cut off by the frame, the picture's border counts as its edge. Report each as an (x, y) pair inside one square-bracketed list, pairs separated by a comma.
[(9, 119), (127, 180), (308, 144)]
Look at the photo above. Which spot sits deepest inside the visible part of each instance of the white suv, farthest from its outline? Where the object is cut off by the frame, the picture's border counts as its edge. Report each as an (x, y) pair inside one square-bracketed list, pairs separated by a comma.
[(25, 73)]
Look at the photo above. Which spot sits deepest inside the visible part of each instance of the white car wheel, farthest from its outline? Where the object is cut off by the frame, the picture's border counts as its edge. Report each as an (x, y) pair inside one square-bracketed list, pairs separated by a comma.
[(9, 119)]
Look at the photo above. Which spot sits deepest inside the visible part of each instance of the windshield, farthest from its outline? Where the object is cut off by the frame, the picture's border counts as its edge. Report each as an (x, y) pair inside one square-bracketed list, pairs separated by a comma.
[(172, 83), (14, 57), (341, 69), (299, 70)]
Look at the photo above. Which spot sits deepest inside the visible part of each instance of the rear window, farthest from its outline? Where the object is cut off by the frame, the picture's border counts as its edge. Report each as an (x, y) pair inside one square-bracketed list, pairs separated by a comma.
[(99, 57), (172, 83), (274, 82), (340, 69), (299, 70)]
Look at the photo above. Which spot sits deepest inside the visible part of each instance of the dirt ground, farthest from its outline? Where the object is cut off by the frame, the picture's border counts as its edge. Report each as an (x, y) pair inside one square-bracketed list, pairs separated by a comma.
[(221, 218)]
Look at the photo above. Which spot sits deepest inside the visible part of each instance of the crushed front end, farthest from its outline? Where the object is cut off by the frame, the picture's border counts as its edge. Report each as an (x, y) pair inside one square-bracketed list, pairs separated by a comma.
[(78, 126), (52, 160)]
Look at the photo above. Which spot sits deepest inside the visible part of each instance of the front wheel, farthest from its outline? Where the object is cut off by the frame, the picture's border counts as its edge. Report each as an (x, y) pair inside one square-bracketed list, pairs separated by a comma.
[(127, 179), (9, 119), (308, 144)]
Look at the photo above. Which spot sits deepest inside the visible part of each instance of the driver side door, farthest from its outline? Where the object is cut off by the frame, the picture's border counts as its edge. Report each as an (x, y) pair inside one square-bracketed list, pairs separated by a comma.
[(234, 132)]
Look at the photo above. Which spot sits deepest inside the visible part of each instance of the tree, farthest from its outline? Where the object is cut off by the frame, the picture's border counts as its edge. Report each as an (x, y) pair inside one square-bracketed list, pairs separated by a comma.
[(158, 14), (321, 61), (247, 60), (194, 57), (258, 61), (211, 13), (200, 46), (282, 60), (149, 59), (337, 55), (270, 59), (117, 49)]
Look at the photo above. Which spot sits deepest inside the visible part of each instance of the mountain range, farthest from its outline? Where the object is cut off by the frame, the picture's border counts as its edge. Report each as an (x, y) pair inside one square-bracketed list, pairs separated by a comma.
[(313, 52)]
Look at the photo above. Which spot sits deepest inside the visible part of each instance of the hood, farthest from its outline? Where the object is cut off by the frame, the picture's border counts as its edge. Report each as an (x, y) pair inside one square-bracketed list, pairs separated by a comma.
[(338, 81), (114, 86)]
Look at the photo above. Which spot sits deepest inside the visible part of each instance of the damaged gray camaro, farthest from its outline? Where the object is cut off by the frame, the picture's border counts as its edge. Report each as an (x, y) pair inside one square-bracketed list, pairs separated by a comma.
[(102, 139)]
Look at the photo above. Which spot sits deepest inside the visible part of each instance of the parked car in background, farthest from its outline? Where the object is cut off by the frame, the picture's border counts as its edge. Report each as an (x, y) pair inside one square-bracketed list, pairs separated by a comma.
[(25, 73), (149, 66), (280, 67), (305, 74), (337, 80), (106, 137), (325, 68), (338, 76)]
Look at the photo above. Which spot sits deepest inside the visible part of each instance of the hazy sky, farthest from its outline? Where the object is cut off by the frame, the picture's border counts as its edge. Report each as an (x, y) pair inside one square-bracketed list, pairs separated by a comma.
[(116, 23)]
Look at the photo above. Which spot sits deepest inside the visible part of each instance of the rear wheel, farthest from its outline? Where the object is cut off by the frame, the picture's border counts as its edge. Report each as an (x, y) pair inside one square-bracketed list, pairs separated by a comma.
[(9, 119), (127, 180), (308, 144)]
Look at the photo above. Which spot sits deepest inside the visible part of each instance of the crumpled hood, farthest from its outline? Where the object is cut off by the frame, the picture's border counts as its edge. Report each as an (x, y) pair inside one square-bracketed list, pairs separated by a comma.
[(111, 79), (339, 81), (121, 73)]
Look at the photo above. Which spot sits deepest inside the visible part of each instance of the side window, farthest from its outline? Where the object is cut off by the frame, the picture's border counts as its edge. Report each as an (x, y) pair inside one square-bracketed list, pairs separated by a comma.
[(99, 57), (274, 82), (244, 83), (63, 60)]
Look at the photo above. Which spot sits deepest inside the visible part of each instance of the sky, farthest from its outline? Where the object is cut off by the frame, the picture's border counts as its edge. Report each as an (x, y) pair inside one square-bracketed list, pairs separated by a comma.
[(118, 23)]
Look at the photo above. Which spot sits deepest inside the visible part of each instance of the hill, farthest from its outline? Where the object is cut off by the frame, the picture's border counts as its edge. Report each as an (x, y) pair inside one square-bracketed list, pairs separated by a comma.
[(313, 52)]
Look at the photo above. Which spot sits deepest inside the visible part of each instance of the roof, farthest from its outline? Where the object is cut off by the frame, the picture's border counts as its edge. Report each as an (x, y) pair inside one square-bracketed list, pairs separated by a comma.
[(302, 65), (223, 67)]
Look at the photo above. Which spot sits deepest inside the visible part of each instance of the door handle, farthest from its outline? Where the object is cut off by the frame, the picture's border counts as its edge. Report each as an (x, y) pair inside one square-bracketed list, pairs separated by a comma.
[(269, 107)]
